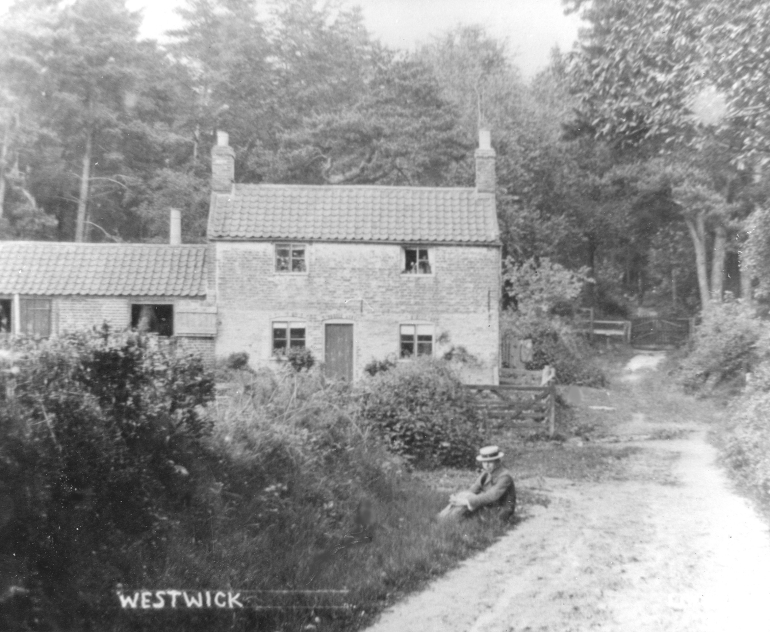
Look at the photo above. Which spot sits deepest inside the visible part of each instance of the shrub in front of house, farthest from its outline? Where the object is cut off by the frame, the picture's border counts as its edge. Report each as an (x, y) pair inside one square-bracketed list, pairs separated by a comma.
[(723, 349), (300, 358), (379, 366), (424, 413), (98, 448)]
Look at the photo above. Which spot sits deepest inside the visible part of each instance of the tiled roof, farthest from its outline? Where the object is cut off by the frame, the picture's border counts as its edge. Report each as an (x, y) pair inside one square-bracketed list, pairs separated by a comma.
[(354, 213), (66, 268)]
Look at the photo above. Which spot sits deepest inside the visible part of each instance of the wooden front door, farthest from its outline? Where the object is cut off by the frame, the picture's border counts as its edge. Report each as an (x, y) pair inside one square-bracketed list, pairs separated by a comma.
[(339, 351)]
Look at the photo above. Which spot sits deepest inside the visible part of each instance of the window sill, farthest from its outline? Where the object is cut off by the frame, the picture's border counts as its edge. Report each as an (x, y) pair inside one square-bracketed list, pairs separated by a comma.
[(289, 274), (406, 275)]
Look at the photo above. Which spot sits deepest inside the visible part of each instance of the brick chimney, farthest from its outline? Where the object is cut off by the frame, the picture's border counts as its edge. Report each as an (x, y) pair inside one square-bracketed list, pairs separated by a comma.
[(486, 180), (222, 165), (175, 227)]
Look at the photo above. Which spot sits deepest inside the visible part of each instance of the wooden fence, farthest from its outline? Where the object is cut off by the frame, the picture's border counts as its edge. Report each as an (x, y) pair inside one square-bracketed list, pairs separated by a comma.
[(587, 324), (661, 332), (526, 399)]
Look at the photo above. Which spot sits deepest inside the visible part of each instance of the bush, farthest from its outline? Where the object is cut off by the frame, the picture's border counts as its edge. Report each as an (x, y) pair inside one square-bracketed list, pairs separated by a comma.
[(237, 361), (379, 366), (425, 414), (541, 285), (300, 358), (723, 348), (747, 442), (555, 345), (96, 451)]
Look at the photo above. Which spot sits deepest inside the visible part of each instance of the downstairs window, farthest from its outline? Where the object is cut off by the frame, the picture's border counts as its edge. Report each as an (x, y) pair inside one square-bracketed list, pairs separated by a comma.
[(416, 340), (153, 319)]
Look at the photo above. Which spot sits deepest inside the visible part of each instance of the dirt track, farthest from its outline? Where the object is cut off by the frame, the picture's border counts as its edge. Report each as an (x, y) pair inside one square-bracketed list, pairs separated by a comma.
[(670, 548)]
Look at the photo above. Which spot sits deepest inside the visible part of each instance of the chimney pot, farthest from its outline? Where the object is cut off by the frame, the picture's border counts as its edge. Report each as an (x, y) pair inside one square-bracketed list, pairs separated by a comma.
[(175, 227), (486, 180), (222, 165), (485, 139)]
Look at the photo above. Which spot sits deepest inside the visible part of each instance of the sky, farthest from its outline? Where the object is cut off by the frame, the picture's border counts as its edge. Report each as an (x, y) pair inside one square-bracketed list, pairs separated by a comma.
[(531, 27)]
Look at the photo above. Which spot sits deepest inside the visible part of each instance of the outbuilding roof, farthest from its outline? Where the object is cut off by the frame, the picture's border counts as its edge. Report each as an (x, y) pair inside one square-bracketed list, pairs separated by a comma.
[(354, 213), (66, 268)]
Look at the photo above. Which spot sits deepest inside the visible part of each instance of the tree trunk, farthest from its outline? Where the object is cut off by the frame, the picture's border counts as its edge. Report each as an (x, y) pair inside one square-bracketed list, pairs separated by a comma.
[(85, 177), (673, 287), (697, 229), (718, 264), (591, 271), (745, 281), (3, 161)]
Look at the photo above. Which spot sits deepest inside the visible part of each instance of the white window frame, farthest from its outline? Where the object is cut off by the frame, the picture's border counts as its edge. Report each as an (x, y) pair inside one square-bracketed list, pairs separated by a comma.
[(418, 326), (291, 245), (430, 259), (22, 326), (290, 323)]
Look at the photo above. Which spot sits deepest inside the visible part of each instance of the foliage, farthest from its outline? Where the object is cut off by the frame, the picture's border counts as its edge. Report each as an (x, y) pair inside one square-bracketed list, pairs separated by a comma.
[(724, 347), (379, 366), (757, 249), (554, 344), (460, 355), (666, 70), (99, 502), (239, 360), (96, 450), (540, 285), (747, 441), (424, 413), (400, 131), (300, 358)]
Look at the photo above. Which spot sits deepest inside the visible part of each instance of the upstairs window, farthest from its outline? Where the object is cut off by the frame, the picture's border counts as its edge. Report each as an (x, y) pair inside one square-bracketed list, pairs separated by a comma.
[(35, 317), (287, 336), (417, 261), (153, 319), (416, 340), (290, 258)]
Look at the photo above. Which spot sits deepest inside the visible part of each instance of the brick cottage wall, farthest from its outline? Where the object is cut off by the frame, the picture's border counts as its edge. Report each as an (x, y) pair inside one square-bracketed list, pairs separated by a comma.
[(360, 284), (70, 313)]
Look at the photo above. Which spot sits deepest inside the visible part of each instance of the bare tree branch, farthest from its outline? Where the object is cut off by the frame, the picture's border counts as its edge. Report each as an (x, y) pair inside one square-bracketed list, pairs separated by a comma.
[(351, 174), (114, 238)]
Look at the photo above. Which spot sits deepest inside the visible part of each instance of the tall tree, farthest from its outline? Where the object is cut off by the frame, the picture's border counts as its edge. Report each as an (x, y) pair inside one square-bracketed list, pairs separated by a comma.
[(79, 76), (681, 79)]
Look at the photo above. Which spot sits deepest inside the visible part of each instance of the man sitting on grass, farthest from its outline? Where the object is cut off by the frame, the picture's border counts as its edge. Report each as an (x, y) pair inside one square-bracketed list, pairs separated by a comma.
[(492, 493)]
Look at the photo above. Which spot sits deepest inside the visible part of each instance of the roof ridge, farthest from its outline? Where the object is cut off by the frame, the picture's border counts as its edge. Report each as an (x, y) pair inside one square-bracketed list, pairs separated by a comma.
[(89, 244), (349, 186)]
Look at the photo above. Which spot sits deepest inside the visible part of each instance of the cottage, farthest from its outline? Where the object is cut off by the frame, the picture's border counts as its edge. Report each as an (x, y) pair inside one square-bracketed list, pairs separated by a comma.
[(48, 288), (351, 273), (356, 273)]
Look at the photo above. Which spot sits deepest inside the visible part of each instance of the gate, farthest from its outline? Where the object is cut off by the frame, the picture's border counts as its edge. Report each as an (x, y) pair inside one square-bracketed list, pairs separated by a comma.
[(660, 332)]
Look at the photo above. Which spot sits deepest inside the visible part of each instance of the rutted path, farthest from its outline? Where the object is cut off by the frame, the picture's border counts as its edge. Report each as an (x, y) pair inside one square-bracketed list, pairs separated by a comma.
[(671, 549)]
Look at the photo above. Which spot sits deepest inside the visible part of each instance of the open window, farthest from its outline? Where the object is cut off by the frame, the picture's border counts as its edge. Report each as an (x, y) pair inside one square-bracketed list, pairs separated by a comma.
[(35, 317), (153, 319), (290, 258), (416, 340), (6, 315), (288, 335), (417, 260)]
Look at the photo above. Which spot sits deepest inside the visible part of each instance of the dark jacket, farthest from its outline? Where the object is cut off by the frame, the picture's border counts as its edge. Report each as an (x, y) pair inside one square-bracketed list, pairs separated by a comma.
[(494, 489)]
